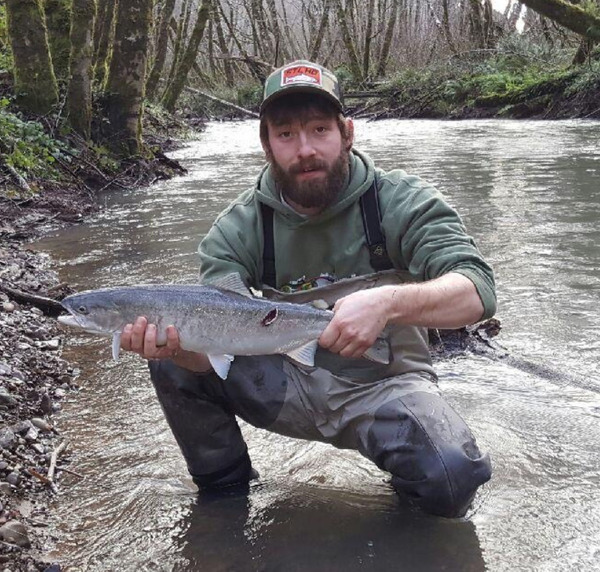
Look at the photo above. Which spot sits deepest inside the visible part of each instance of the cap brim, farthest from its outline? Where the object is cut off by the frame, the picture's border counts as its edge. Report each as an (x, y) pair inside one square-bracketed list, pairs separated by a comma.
[(309, 89)]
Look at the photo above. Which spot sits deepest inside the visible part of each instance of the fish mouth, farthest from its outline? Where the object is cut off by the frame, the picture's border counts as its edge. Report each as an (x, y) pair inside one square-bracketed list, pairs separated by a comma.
[(69, 320), (75, 322)]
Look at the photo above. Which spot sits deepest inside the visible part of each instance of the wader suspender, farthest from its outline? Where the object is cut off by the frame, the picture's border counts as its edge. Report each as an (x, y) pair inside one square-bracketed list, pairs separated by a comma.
[(371, 216)]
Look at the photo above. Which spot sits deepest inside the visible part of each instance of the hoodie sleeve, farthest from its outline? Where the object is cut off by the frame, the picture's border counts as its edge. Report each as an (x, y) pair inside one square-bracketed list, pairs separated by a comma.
[(233, 245), (427, 236)]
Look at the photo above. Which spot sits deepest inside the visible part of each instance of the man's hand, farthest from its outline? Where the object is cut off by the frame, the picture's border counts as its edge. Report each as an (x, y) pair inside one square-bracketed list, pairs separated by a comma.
[(359, 319), (140, 337), (450, 301)]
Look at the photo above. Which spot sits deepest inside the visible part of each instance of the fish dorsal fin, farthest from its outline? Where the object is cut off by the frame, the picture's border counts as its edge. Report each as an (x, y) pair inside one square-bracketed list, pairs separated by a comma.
[(221, 364), (116, 345), (305, 354), (234, 283)]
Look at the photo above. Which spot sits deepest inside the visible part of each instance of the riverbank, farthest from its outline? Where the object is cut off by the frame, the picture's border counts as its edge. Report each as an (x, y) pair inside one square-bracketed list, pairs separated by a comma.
[(33, 376), (494, 91)]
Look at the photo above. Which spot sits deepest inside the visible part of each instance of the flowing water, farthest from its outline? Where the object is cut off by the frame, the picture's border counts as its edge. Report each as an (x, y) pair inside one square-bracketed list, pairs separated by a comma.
[(530, 194)]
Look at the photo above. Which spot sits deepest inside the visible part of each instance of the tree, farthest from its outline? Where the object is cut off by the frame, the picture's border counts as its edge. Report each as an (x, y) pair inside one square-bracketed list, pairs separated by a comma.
[(187, 60), (124, 93), (566, 14), (58, 22), (348, 42), (387, 42), (35, 82), (79, 99), (104, 29), (161, 49)]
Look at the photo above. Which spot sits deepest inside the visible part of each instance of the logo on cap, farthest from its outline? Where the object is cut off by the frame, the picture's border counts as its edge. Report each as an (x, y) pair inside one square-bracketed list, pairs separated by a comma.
[(301, 74)]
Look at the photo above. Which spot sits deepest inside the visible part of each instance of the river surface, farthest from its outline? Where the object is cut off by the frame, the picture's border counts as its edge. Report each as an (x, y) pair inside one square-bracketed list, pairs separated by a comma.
[(529, 192)]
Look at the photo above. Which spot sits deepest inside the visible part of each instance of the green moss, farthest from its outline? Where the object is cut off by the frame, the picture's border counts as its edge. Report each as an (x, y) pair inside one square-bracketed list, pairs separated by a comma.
[(58, 22), (6, 61)]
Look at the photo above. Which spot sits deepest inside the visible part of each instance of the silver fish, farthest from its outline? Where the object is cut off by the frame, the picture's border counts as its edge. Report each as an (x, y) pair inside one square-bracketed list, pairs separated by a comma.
[(220, 321)]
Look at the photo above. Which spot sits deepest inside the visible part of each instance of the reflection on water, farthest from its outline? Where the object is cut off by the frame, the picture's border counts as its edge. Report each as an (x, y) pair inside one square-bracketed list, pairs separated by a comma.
[(530, 194), (307, 528)]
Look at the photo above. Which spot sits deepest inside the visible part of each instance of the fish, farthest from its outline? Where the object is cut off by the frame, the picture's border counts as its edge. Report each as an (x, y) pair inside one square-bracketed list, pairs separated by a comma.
[(221, 320)]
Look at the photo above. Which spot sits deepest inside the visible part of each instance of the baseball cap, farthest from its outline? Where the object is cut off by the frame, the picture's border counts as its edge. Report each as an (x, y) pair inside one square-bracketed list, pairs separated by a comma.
[(302, 76)]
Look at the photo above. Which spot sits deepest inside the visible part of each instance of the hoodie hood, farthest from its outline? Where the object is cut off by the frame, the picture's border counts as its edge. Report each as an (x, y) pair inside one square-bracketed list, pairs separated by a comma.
[(360, 177)]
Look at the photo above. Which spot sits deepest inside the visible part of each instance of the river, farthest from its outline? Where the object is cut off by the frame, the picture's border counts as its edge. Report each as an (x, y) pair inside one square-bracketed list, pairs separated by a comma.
[(529, 192)]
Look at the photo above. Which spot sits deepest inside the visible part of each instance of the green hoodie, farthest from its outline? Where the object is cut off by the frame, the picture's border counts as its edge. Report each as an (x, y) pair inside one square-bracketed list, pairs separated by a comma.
[(424, 236)]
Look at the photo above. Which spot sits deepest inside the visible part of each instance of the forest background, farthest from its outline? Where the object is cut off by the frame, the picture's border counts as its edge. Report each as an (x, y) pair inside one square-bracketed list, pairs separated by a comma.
[(79, 79)]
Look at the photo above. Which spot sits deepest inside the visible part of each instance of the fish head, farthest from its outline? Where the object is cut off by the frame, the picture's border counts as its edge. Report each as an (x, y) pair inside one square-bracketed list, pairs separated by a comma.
[(93, 312)]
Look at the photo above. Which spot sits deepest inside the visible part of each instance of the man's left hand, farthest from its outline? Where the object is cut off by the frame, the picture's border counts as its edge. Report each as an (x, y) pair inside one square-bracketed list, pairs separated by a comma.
[(359, 319)]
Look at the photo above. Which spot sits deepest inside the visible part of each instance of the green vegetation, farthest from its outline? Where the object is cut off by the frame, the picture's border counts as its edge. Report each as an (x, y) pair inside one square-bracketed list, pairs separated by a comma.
[(520, 79), (25, 146), (6, 61)]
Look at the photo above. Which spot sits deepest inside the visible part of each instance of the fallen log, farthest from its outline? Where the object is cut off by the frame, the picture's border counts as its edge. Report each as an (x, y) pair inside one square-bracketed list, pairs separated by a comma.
[(49, 306), (222, 101)]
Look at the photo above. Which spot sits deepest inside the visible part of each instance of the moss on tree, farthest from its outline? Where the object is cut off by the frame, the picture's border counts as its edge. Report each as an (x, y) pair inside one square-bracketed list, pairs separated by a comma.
[(124, 92), (80, 82), (35, 82)]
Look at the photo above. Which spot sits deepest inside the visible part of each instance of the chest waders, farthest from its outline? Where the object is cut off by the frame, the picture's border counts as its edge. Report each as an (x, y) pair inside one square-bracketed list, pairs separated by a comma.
[(371, 217), (399, 421)]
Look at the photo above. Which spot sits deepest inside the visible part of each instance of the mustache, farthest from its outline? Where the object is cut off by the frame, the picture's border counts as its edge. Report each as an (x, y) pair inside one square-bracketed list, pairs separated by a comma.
[(311, 164)]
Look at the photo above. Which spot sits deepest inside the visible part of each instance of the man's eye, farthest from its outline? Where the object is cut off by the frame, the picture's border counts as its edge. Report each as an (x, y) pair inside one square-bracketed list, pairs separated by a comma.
[(321, 129), (285, 134)]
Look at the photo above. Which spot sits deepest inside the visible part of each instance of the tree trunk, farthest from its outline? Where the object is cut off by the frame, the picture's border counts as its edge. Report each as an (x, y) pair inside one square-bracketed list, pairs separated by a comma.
[(79, 99), (58, 22), (124, 94), (446, 27), (316, 47), (566, 14), (348, 43), (515, 14), (35, 82), (161, 49), (258, 71), (387, 42), (186, 11), (368, 38), (477, 24), (189, 57), (105, 40), (222, 47), (281, 52)]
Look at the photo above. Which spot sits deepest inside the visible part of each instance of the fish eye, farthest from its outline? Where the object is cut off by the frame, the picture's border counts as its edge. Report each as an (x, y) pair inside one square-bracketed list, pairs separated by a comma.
[(82, 310)]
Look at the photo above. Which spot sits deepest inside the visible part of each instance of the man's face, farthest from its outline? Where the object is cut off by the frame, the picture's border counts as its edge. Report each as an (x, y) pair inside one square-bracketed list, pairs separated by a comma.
[(309, 159)]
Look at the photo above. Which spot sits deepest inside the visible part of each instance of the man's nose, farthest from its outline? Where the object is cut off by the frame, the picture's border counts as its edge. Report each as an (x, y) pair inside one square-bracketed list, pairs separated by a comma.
[(305, 146)]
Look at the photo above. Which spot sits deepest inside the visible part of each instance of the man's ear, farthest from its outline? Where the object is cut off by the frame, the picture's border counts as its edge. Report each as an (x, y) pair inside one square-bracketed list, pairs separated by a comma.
[(350, 132)]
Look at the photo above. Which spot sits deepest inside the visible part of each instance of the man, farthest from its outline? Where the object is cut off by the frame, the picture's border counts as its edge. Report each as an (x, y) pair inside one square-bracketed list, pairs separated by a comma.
[(320, 211)]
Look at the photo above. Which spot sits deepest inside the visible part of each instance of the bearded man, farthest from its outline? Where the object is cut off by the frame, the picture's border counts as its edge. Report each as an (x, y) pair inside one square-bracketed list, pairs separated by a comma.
[(320, 211)]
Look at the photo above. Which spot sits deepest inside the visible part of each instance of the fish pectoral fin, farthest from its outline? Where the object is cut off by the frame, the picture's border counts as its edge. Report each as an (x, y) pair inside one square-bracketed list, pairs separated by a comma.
[(221, 364), (305, 354), (380, 351), (234, 283), (116, 345)]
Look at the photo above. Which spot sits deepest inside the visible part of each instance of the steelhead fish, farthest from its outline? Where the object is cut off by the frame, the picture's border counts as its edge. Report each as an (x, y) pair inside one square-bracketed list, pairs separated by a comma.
[(221, 321)]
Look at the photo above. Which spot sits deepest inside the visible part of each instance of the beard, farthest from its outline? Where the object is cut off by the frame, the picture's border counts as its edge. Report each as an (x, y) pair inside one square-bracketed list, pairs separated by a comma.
[(320, 192)]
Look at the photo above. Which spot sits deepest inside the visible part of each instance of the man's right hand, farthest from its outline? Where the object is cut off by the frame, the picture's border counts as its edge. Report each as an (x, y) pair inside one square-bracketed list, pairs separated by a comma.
[(140, 337)]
